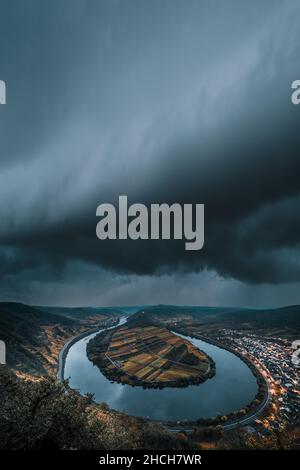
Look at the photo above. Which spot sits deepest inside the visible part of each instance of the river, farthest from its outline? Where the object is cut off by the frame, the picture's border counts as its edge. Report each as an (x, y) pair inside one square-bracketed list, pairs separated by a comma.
[(232, 387)]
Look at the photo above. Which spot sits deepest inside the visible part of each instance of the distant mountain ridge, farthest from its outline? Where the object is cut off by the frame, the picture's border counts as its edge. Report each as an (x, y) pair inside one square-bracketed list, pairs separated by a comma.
[(263, 318), (81, 312), (227, 317)]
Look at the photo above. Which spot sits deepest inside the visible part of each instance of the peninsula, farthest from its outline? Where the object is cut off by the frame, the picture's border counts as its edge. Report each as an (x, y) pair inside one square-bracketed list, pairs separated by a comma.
[(149, 355)]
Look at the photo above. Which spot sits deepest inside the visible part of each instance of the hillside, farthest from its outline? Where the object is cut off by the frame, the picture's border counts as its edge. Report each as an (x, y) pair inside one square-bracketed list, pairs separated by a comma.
[(278, 317), (34, 336), (51, 419), (283, 321), (280, 322), (82, 312)]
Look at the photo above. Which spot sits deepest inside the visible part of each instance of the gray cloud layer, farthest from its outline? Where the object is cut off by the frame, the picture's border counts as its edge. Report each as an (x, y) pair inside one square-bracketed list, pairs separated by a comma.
[(163, 101)]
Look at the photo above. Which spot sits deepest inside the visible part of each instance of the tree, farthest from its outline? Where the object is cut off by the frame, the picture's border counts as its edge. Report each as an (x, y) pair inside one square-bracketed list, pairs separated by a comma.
[(42, 414), (45, 414)]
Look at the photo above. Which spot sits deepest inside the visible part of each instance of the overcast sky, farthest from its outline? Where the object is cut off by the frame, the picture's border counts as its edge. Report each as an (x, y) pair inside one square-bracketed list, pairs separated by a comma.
[(165, 101)]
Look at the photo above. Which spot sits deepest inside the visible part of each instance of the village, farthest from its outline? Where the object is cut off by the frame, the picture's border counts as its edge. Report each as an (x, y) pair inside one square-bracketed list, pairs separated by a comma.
[(273, 358)]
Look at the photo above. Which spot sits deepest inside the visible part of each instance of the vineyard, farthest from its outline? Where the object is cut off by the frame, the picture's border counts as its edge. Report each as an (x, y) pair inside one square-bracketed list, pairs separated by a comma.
[(149, 355)]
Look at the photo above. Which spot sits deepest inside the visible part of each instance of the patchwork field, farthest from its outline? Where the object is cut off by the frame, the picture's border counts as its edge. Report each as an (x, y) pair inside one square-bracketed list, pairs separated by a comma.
[(149, 355)]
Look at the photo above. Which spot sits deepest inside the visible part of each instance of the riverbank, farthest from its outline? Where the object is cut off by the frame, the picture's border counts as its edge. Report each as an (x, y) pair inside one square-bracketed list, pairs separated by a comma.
[(65, 349), (249, 413)]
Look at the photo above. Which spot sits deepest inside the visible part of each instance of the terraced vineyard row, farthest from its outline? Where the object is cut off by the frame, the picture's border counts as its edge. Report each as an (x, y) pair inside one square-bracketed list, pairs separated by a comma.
[(149, 355)]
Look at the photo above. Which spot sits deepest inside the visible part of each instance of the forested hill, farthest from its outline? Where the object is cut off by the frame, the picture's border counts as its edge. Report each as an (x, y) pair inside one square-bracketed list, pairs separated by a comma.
[(279, 319), (34, 335), (267, 317)]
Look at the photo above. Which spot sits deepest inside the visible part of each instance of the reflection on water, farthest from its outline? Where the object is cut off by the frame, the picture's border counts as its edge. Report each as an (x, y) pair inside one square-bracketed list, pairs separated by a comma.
[(233, 387)]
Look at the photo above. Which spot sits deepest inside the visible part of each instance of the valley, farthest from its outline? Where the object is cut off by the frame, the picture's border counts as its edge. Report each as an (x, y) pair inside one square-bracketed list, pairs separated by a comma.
[(153, 353)]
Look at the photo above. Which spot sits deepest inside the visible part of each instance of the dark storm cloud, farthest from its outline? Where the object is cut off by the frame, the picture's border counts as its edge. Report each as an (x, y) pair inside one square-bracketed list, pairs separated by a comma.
[(163, 101)]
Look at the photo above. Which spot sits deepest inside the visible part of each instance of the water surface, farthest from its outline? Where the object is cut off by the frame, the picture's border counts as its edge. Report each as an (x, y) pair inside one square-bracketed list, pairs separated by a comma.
[(233, 387)]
